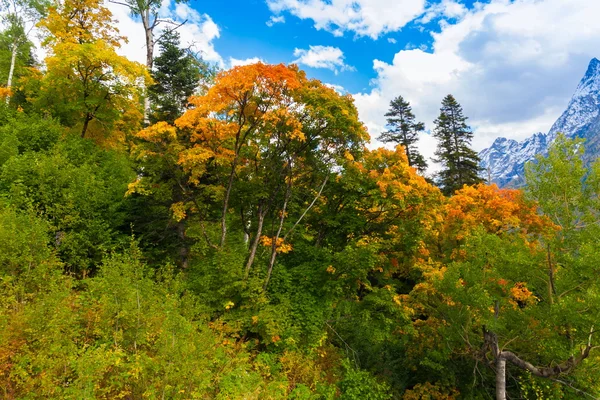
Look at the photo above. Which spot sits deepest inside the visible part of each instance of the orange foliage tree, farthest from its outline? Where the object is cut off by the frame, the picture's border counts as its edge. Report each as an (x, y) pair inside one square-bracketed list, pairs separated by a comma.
[(261, 136), (235, 111), (497, 211)]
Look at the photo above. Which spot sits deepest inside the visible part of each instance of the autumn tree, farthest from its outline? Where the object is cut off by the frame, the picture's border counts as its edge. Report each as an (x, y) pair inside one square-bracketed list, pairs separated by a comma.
[(460, 163), (257, 141), (513, 292), (405, 131), (86, 81), (245, 99)]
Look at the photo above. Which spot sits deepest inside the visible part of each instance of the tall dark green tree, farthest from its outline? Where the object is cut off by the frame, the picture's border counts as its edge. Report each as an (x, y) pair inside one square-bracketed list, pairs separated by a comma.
[(460, 163), (177, 73), (405, 131)]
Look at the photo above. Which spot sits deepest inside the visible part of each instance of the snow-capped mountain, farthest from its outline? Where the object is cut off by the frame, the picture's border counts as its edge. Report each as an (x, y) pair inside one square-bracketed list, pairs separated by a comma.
[(504, 162)]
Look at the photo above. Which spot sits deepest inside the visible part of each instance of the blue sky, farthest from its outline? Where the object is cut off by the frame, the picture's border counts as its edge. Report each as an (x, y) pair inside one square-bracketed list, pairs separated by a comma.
[(244, 34), (512, 64)]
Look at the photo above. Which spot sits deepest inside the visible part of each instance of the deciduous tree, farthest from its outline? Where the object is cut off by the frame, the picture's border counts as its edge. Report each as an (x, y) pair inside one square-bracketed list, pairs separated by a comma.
[(86, 81)]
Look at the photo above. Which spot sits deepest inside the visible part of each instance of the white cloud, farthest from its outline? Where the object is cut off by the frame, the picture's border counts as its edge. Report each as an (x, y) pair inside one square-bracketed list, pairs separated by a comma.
[(412, 46), (392, 40), (511, 64), (199, 36), (234, 62), (280, 19), (338, 88), (198, 32), (322, 57), (450, 9), (363, 17)]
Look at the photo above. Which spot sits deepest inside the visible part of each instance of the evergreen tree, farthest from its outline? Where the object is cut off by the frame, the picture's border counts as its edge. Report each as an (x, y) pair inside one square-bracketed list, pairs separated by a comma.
[(405, 131), (177, 74), (460, 163)]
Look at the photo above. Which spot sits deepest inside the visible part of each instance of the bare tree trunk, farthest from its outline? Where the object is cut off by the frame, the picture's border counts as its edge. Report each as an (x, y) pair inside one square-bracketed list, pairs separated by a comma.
[(307, 209), (226, 203), (254, 246), (500, 378), (11, 71), (13, 61), (274, 244), (149, 33)]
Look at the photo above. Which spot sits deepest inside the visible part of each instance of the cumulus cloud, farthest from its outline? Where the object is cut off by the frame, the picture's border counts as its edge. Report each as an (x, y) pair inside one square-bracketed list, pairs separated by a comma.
[(279, 19), (198, 33), (512, 65), (338, 88), (322, 57), (234, 62), (449, 9), (363, 17), (392, 40)]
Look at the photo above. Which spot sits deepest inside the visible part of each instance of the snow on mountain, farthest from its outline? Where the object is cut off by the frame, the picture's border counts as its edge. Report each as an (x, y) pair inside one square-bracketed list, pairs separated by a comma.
[(504, 162), (584, 106)]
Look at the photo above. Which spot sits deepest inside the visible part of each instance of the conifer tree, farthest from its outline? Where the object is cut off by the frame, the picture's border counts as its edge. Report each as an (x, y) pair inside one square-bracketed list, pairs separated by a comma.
[(176, 74), (460, 163), (405, 131)]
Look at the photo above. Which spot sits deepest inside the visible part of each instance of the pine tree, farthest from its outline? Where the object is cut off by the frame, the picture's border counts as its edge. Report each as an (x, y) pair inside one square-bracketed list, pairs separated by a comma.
[(405, 131), (460, 163), (177, 74)]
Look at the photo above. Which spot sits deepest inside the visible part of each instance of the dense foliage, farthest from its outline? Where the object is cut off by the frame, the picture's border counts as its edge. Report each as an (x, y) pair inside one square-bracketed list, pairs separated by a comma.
[(246, 244)]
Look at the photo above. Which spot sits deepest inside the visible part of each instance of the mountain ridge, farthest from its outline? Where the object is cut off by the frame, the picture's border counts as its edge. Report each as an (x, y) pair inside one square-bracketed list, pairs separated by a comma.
[(504, 161)]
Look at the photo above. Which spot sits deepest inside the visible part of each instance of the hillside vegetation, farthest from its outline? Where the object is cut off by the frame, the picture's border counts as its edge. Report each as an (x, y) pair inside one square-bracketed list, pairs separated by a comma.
[(234, 238)]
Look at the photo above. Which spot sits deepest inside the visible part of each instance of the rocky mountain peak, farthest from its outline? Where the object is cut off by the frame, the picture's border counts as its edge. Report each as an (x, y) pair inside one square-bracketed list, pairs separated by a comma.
[(504, 162)]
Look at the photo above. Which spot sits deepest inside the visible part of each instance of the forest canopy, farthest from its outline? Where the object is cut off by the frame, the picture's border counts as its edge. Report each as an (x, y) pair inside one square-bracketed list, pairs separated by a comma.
[(177, 231)]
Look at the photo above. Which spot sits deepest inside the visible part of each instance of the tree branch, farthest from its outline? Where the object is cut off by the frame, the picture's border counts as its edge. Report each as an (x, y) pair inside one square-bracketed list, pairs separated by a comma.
[(491, 343), (120, 3), (307, 209), (579, 391)]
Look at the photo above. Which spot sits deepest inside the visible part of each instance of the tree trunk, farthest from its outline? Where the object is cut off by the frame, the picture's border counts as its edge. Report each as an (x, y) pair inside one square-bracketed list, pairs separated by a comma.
[(11, 71), (13, 61), (500, 378), (86, 122), (148, 29), (184, 251), (274, 244), (254, 247), (226, 202), (307, 209), (550, 278)]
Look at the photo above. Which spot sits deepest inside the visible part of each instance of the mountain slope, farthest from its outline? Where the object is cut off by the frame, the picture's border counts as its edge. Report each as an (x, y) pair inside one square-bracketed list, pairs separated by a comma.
[(504, 162)]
